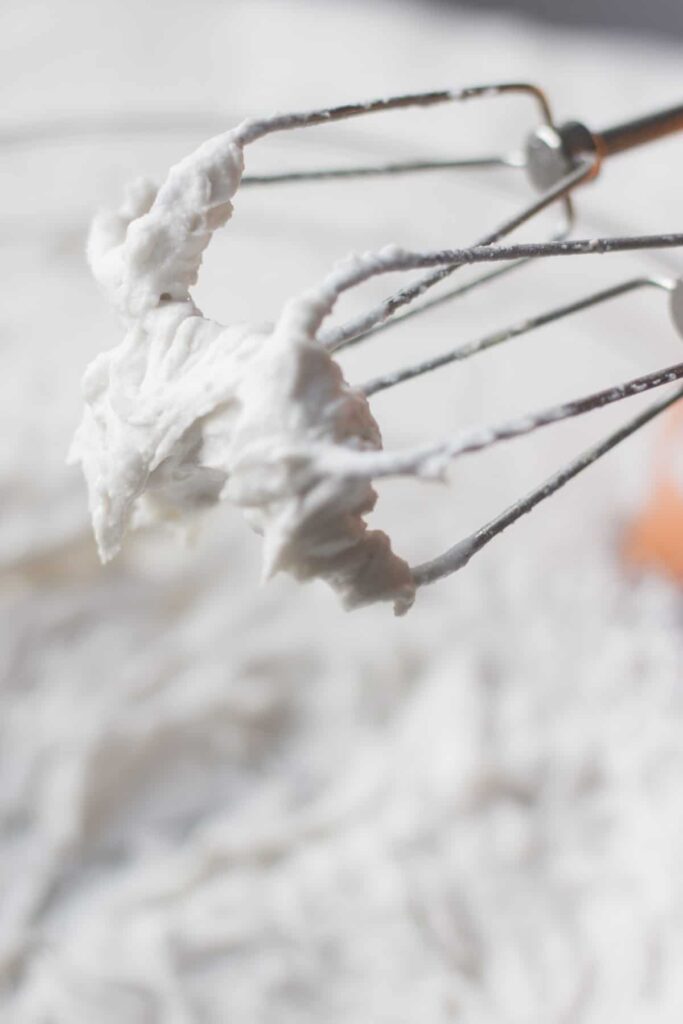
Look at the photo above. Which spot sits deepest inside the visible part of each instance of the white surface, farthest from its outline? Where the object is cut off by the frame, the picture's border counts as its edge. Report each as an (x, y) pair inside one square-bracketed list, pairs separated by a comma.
[(224, 803)]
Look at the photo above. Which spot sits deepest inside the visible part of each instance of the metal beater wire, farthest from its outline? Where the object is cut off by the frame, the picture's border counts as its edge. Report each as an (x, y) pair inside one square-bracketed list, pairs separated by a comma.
[(427, 99), (473, 348), (358, 329), (459, 555), (448, 261), (384, 170)]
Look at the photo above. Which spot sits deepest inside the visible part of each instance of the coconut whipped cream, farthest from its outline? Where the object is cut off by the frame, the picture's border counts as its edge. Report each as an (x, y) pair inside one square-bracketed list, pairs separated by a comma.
[(185, 412)]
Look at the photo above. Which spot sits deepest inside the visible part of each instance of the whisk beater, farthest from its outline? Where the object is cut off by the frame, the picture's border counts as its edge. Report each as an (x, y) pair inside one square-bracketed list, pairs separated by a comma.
[(335, 477), (556, 159)]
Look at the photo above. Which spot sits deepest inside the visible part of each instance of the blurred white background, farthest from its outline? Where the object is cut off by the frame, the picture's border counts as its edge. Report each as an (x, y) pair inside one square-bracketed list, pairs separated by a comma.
[(225, 802)]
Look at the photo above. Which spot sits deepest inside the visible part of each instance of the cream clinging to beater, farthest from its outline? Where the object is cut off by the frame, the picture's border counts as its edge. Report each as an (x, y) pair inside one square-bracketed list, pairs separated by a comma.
[(185, 412)]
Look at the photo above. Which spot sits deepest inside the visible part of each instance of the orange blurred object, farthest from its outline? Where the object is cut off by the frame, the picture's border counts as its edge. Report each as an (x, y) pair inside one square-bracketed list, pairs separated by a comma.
[(655, 539)]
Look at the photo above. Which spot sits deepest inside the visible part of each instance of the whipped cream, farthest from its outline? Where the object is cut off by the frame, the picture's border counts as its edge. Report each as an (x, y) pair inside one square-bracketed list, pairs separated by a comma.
[(185, 412)]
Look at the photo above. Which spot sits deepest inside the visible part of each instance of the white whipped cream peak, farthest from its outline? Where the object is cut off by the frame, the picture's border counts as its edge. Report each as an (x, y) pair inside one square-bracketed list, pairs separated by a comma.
[(185, 411)]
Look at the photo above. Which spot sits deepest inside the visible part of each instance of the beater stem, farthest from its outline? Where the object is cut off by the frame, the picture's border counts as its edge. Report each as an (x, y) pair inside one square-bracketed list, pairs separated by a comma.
[(640, 130)]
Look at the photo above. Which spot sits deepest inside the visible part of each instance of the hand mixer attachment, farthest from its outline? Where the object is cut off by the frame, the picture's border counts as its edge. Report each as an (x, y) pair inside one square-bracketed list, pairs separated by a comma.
[(264, 416), (556, 160)]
